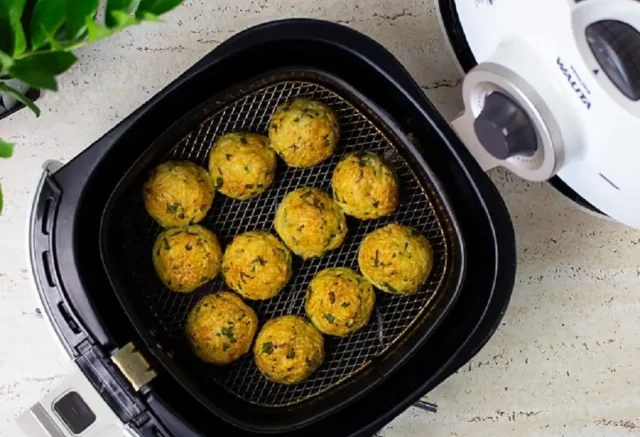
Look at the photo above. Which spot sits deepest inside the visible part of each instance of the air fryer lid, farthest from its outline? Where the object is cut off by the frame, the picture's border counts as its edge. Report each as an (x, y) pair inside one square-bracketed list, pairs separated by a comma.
[(354, 364), (466, 60), (560, 100)]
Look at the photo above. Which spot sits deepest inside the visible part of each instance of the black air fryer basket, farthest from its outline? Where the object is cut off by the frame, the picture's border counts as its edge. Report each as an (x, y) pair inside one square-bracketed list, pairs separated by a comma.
[(92, 238), (354, 364)]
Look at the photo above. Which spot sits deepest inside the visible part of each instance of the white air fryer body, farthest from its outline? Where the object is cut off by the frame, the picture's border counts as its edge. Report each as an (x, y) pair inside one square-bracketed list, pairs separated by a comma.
[(544, 57)]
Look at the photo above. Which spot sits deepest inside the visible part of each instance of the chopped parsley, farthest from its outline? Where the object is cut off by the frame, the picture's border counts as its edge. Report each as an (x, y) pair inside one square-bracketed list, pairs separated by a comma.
[(267, 348), (244, 276), (329, 317), (306, 194), (345, 304), (376, 260), (318, 204), (219, 182), (389, 287), (225, 346), (173, 207), (228, 332), (291, 354)]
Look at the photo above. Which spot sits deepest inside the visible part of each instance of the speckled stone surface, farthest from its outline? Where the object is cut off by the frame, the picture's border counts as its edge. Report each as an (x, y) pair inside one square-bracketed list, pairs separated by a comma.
[(564, 361)]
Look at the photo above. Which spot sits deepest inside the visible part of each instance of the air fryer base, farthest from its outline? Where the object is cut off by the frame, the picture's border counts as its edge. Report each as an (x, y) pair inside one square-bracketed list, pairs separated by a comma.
[(79, 301)]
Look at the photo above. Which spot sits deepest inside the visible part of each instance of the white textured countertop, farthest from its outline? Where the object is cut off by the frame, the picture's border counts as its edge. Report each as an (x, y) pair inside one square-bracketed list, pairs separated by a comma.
[(564, 359)]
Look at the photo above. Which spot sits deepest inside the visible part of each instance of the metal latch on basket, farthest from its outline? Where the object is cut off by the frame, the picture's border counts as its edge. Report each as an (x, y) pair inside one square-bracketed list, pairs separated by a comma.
[(134, 366)]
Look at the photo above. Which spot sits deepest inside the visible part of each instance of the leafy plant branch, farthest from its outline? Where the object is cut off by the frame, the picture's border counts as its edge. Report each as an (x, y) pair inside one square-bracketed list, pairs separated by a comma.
[(38, 36)]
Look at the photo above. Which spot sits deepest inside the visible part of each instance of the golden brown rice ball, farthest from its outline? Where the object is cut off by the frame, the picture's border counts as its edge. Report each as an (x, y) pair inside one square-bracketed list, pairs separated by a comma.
[(178, 193), (310, 223), (365, 186), (339, 301), (221, 327), (396, 259), (288, 349), (186, 258), (257, 265), (304, 132), (242, 165)]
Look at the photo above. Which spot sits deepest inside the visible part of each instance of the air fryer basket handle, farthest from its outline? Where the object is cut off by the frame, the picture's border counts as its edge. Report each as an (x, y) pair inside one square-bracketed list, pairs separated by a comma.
[(41, 225)]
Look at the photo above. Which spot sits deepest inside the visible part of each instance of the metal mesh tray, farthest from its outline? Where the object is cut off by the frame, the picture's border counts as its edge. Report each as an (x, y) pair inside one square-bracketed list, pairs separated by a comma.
[(394, 316)]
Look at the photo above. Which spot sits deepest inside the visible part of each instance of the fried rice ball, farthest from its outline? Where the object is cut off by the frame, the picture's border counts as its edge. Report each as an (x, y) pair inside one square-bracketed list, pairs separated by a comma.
[(186, 258), (396, 259), (304, 132), (365, 186), (257, 265), (178, 193), (242, 165), (288, 349), (310, 223), (221, 327), (339, 301)]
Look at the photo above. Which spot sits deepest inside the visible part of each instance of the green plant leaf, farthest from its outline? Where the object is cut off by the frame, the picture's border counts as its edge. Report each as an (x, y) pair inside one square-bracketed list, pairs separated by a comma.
[(78, 11), (123, 19), (113, 6), (11, 11), (6, 34), (6, 61), (48, 17), (40, 70), (20, 97), (96, 32), (156, 7), (53, 42), (6, 149), (148, 16)]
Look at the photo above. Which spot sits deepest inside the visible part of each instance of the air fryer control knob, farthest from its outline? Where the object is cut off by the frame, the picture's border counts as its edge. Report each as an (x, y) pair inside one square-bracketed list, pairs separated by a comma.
[(616, 47), (504, 129)]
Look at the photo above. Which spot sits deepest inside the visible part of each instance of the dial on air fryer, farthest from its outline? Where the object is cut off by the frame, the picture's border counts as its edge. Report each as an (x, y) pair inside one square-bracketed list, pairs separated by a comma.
[(504, 129)]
